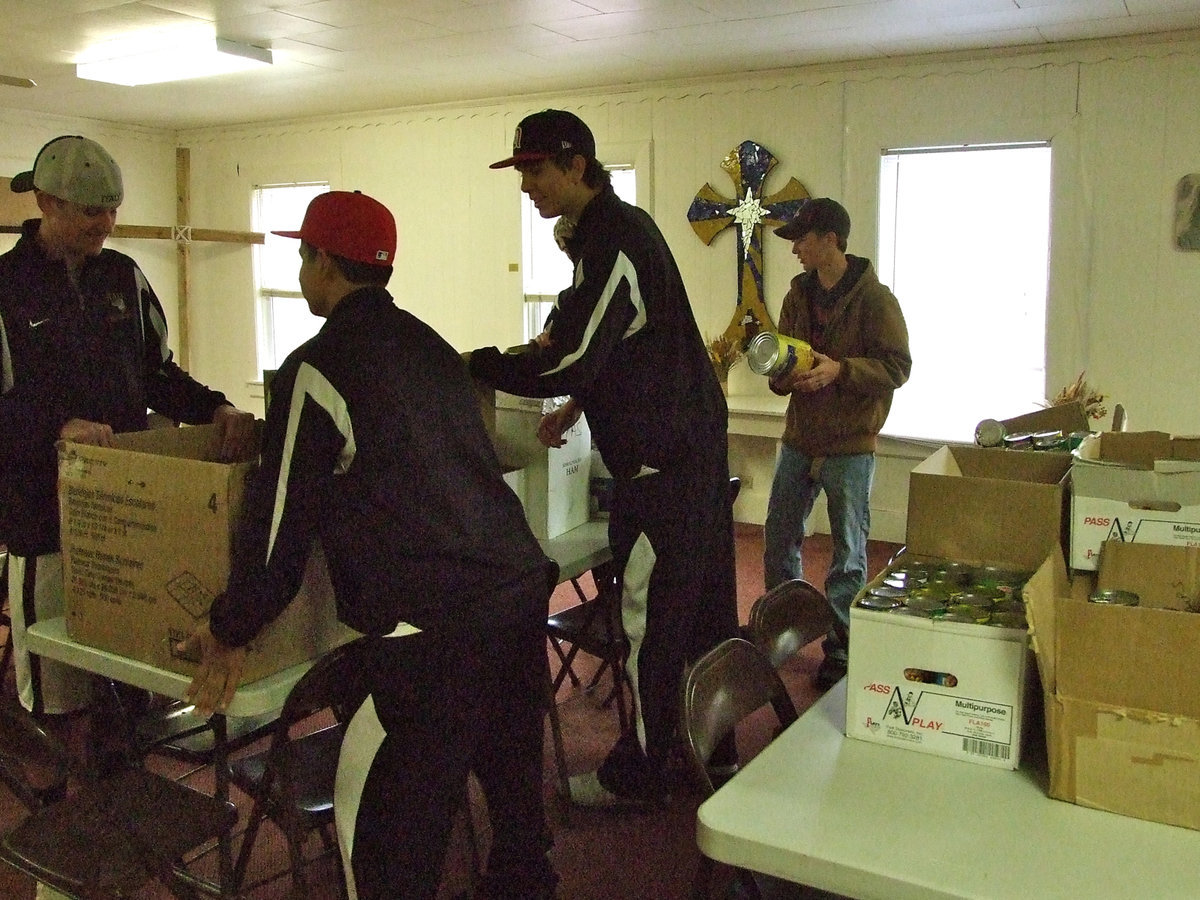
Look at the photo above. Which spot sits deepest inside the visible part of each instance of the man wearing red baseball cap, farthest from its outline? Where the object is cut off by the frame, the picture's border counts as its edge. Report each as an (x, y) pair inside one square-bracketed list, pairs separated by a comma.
[(374, 446)]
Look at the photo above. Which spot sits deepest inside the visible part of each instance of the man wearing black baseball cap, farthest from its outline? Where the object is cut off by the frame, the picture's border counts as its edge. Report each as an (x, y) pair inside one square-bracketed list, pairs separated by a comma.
[(624, 344), (374, 446), (83, 354), (835, 411)]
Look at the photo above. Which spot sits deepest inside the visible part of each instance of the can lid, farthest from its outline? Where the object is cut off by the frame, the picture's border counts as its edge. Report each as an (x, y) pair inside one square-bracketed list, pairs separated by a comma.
[(879, 603), (762, 353), (990, 433), (1115, 598)]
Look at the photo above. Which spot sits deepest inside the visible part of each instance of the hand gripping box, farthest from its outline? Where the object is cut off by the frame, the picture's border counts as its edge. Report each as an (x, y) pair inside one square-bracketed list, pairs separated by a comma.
[(958, 690), (147, 531), (1121, 697)]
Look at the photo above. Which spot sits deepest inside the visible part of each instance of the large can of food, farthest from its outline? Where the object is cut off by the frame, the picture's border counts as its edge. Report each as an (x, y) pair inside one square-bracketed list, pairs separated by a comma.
[(773, 354)]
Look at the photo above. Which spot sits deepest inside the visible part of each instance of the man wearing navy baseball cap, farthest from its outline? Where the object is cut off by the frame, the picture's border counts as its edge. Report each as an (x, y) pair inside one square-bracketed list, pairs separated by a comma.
[(83, 355), (374, 445), (625, 346), (835, 411)]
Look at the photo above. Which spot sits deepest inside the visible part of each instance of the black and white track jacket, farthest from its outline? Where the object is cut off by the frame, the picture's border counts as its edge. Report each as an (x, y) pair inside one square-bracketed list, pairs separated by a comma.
[(374, 444), (625, 345), (97, 351)]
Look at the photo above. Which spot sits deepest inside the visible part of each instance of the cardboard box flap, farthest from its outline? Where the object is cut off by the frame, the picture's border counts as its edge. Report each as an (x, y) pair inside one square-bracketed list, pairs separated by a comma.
[(1041, 593), (197, 442), (1166, 486), (972, 504), (1004, 465), (1140, 568), (1135, 448), (1066, 417)]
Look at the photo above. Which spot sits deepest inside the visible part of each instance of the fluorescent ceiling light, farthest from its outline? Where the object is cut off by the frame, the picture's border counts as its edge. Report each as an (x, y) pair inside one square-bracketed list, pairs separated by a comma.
[(171, 60)]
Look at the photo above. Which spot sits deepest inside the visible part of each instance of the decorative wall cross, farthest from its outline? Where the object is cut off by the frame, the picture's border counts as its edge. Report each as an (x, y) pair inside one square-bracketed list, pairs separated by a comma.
[(710, 213)]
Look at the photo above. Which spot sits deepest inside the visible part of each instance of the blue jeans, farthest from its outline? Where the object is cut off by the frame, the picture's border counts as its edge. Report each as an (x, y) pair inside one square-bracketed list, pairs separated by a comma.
[(846, 481)]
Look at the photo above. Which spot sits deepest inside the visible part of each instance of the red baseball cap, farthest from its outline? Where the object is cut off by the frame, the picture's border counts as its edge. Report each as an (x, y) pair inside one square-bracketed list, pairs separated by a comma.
[(349, 224)]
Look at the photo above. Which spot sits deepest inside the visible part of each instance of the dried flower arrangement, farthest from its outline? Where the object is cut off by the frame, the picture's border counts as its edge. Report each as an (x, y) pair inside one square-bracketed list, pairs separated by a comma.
[(1079, 390), (724, 352)]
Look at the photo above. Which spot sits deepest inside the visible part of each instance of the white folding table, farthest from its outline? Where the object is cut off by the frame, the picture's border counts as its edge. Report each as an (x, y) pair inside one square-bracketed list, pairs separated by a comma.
[(49, 638), (885, 823)]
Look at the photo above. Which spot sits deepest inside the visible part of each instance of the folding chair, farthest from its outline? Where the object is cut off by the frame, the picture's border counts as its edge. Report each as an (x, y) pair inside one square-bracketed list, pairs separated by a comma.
[(104, 838), (787, 618), (291, 782), (724, 687), (594, 627)]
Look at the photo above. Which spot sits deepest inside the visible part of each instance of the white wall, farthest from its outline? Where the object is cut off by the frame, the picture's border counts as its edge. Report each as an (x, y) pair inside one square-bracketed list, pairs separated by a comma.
[(1121, 117)]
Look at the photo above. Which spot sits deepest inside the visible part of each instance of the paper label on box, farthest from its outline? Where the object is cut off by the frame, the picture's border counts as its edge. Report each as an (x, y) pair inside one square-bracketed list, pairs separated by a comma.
[(912, 715)]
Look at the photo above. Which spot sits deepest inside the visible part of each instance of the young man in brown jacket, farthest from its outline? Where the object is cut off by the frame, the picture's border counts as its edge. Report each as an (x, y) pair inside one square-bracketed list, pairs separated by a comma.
[(837, 408)]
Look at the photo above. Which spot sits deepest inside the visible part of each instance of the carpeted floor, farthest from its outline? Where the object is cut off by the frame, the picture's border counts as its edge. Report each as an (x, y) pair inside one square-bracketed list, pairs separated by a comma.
[(599, 855)]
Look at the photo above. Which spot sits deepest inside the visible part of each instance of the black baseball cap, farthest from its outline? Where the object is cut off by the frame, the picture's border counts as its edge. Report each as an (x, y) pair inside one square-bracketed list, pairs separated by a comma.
[(821, 215), (546, 134)]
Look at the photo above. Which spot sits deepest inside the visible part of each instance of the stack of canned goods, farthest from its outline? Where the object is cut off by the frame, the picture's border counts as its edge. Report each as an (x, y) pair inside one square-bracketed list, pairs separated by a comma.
[(951, 592), (992, 433)]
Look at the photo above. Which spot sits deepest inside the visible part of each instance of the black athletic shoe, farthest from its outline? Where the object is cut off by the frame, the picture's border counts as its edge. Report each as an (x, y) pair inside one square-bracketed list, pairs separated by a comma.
[(832, 671)]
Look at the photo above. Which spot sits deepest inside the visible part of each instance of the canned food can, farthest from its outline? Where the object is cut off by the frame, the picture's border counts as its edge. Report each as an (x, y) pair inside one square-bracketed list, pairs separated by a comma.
[(977, 599), (1021, 441), (882, 604), (1115, 598), (1049, 440), (924, 602), (886, 592), (957, 615), (773, 354), (1000, 619), (990, 433)]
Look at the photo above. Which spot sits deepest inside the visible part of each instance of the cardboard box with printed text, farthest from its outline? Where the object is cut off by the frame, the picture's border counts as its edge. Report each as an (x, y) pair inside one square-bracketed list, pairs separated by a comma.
[(1139, 487), (959, 690), (147, 530), (1121, 697)]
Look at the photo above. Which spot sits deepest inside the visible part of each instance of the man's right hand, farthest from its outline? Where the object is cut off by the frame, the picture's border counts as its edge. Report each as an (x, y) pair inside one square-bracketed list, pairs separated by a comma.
[(82, 431), (555, 424)]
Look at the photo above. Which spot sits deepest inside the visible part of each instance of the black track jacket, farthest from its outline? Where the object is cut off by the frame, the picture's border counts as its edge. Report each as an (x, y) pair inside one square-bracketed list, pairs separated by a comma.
[(625, 345), (97, 353), (374, 443)]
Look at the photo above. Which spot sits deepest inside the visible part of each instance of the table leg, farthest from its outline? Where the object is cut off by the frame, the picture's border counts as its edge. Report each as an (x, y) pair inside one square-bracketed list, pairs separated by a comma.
[(220, 758)]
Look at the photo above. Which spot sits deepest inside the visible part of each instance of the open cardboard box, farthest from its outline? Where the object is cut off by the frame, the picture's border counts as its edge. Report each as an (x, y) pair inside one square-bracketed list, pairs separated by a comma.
[(1141, 487), (976, 506), (147, 532), (1122, 701)]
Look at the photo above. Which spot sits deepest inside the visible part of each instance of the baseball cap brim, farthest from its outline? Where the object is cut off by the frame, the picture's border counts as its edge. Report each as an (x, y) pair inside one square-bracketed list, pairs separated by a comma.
[(792, 230), (519, 158), (22, 182)]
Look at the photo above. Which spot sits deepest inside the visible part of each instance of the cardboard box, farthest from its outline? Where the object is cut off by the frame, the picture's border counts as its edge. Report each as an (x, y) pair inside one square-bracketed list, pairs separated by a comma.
[(1139, 487), (1067, 418), (972, 504), (975, 506), (553, 483), (951, 689), (1122, 703), (147, 529)]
